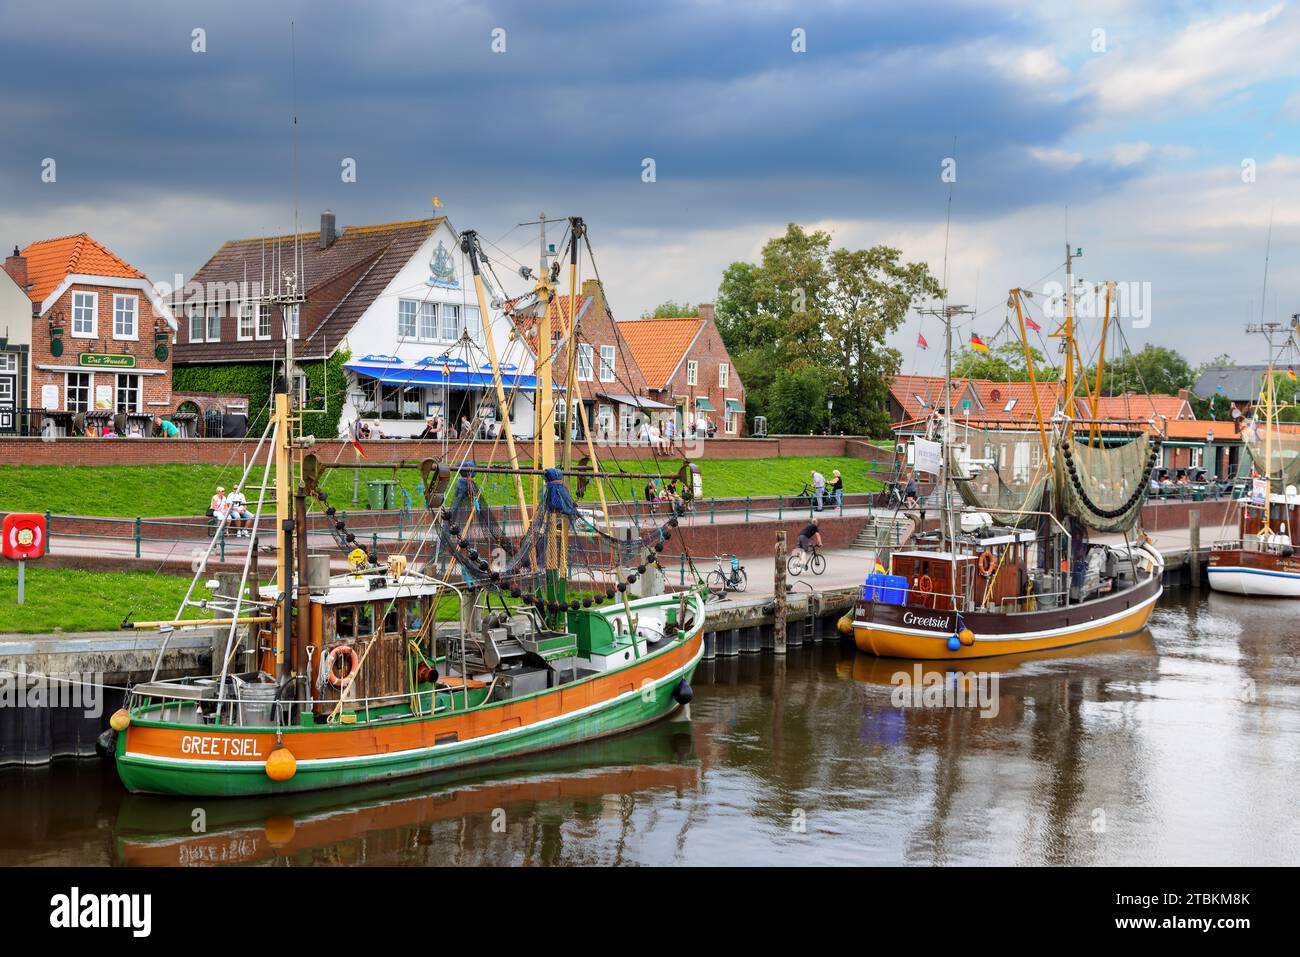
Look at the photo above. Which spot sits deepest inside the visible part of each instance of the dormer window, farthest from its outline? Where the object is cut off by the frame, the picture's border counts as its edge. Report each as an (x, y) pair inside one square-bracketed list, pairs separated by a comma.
[(1011, 404)]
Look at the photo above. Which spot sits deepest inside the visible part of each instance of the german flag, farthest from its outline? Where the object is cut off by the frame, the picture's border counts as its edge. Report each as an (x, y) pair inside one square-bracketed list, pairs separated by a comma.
[(1290, 374), (356, 442), (977, 343)]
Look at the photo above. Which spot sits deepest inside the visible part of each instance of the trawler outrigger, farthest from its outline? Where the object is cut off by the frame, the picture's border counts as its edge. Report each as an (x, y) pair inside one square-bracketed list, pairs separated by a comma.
[(1014, 570), (519, 633)]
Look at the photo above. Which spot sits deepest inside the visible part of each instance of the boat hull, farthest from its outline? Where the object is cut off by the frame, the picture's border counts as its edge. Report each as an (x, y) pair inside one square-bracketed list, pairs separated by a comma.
[(898, 631), (1253, 573), (199, 761)]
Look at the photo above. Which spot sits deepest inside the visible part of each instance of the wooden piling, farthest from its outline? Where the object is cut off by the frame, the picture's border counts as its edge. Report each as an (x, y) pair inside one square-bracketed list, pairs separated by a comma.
[(1194, 546), (778, 597)]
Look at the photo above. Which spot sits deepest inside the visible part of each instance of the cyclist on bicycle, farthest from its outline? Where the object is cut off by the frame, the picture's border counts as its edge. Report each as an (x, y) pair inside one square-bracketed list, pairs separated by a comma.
[(810, 537)]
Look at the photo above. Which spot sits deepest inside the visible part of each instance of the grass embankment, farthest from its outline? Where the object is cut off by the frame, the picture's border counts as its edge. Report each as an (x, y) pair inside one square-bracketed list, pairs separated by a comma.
[(74, 600), (154, 490)]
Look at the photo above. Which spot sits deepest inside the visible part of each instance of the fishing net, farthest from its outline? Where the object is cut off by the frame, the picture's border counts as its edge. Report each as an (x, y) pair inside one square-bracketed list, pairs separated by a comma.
[(1104, 486), (569, 544), (1006, 473), (1276, 455)]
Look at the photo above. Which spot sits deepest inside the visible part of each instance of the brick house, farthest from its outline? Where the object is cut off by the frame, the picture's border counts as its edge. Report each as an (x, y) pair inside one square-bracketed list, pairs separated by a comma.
[(15, 344), (687, 366), (614, 389), (101, 338)]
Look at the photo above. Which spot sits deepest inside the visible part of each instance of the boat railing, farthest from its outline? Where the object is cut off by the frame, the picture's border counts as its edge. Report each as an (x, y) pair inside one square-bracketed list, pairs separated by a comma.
[(1042, 600)]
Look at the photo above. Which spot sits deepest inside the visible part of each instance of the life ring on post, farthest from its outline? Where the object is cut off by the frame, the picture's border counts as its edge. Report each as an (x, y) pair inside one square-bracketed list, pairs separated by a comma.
[(926, 584), (987, 562), (335, 678)]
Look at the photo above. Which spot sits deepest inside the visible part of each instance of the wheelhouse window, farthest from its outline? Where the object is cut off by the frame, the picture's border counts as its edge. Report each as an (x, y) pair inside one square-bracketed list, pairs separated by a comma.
[(128, 393), (76, 391), (85, 306), (125, 314), (606, 363)]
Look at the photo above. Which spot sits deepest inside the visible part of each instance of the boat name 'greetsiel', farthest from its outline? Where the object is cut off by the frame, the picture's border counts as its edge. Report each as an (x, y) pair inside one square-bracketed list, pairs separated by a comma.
[(926, 621), (220, 747)]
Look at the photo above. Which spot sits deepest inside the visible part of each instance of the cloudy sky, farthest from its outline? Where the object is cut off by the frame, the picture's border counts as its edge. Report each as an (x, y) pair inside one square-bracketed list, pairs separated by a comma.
[(1162, 135)]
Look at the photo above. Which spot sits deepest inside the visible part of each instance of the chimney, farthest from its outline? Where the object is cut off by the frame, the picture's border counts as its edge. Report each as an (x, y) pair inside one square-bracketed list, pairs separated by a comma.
[(591, 289), (706, 311), (16, 267), (327, 233)]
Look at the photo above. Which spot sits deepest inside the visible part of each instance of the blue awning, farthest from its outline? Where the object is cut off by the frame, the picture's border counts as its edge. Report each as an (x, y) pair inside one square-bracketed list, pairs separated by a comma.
[(437, 376)]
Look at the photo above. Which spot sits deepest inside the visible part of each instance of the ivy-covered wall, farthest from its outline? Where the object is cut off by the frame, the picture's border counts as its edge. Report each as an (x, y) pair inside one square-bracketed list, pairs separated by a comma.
[(253, 379)]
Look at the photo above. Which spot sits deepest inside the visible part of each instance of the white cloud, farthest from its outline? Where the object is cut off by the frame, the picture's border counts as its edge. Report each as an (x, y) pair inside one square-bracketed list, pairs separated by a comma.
[(1209, 59), (1055, 156), (1126, 154)]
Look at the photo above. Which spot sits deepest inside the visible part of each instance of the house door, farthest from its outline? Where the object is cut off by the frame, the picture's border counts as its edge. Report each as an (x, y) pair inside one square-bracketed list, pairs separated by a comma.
[(8, 387)]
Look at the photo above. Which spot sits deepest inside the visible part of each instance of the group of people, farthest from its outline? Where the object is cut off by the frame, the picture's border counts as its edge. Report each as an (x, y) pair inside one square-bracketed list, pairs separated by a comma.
[(232, 509), (160, 428), (823, 492), (436, 428)]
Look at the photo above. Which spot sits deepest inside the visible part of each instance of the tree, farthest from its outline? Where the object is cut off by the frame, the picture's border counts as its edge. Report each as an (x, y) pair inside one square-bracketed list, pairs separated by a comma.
[(796, 401), (671, 310), (1153, 370), (827, 311), (1004, 363)]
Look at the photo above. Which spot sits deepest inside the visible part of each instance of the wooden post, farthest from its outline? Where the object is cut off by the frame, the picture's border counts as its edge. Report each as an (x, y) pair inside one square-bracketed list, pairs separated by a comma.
[(778, 597), (1194, 545)]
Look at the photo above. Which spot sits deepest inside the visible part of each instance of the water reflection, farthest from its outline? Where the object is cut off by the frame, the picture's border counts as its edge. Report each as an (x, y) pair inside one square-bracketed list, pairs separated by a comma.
[(1176, 746)]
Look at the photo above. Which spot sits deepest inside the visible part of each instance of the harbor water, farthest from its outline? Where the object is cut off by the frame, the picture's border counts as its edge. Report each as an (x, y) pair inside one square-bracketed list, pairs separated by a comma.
[(1179, 746)]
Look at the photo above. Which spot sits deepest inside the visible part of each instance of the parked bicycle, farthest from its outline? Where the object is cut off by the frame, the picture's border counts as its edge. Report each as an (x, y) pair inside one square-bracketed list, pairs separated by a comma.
[(727, 577), (814, 561)]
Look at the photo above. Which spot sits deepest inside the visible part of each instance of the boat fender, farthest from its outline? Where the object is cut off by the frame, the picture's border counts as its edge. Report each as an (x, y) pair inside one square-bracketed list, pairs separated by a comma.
[(281, 765), (954, 643), (106, 744), (966, 636), (845, 623), (683, 694), (336, 679), (121, 720), (987, 562)]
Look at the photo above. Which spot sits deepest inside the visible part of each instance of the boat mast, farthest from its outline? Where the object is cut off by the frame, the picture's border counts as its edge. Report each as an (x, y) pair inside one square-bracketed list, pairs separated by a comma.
[(285, 526)]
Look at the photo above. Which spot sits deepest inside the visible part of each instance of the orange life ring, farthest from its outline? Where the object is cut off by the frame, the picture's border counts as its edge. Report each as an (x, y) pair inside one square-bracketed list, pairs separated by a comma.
[(345, 649), (987, 562), (926, 583)]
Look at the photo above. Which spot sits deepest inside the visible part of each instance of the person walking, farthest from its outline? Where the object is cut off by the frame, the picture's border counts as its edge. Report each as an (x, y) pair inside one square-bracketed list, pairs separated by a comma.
[(837, 489), (909, 495), (819, 488)]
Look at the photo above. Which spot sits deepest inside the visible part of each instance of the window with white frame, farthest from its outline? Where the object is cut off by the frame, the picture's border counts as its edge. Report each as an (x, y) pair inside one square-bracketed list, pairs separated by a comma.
[(247, 320), (692, 372), (428, 320), (450, 322), (196, 323), (406, 312), (606, 363), (584, 362), (85, 309), (264, 321), (214, 323), (126, 311), (291, 317), (561, 408), (128, 392), (724, 375), (473, 323), (729, 420), (8, 362), (76, 391)]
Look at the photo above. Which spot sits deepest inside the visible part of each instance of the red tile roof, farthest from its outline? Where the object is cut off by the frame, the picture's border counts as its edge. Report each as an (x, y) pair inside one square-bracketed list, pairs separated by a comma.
[(658, 345), (50, 261), (1133, 405)]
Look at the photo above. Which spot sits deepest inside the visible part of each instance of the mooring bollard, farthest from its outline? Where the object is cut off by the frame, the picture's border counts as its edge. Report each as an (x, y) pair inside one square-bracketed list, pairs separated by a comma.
[(1194, 546), (137, 537)]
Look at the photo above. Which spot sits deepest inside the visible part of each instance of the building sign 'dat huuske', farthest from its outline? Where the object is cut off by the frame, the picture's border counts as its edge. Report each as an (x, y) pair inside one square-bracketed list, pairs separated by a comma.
[(98, 360)]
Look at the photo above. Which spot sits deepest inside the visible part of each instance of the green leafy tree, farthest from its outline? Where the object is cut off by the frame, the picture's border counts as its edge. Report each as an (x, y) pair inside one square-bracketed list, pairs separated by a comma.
[(1153, 370), (671, 310), (797, 401), (1002, 363)]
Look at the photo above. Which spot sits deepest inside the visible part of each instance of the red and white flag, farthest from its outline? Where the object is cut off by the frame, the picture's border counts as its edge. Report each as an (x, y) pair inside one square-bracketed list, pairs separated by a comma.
[(1033, 325), (920, 341)]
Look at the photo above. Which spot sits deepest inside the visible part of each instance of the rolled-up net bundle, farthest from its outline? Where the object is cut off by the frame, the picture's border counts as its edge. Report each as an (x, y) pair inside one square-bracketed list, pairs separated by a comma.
[(1005, 473), (1104, 486), (1276, 455)]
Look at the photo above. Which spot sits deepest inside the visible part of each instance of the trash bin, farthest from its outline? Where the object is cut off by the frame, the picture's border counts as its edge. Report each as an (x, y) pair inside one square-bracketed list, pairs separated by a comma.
[(375, 495), (393, 495)]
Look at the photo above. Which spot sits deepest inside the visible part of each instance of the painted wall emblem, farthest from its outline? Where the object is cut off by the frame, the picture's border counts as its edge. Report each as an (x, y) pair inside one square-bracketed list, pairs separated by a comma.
[(442, 271)]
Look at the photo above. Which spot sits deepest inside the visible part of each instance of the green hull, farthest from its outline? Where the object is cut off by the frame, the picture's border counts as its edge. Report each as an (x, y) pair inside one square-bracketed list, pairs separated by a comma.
[(143, 775)]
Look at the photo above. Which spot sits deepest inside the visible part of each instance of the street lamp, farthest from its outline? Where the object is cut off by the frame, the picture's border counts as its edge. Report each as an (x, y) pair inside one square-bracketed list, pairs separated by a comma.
[(830, 404)]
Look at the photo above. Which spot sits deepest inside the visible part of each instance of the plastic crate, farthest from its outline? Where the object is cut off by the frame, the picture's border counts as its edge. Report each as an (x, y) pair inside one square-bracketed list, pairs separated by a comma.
[(886, 589)]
